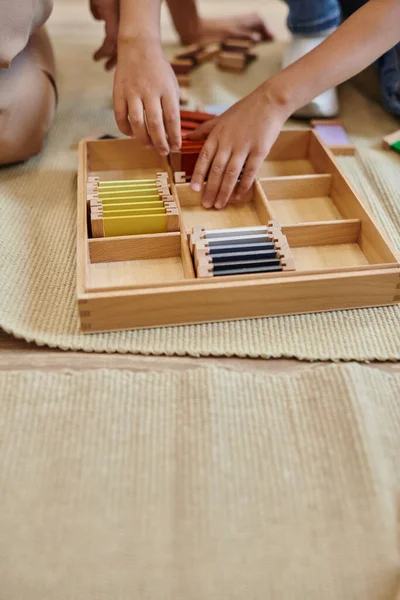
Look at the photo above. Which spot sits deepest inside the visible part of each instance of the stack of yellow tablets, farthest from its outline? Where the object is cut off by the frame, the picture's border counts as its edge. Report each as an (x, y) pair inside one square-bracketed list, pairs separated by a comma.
[(131, 207)]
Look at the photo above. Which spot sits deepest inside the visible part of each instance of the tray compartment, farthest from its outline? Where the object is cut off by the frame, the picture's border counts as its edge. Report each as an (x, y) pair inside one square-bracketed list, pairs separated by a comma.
[(289, 156), (332, 245), (372, 239), (310, 258), (305, 199), (123, 159), (118, 263), (251, 211)]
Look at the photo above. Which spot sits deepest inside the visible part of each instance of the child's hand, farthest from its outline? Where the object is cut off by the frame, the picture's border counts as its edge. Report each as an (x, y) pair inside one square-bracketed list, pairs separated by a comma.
[(146, 93), (242, 136), (107, 11), (250, 25)]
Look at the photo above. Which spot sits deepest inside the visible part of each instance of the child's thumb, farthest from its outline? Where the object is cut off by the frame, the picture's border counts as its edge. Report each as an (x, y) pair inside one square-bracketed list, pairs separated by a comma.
[(202, 131)]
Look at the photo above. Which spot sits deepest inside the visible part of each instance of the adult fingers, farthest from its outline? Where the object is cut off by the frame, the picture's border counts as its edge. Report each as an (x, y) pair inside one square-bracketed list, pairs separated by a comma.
[(215, 177), (155, 125), (172, 120), (203, 164), (101, 52), (250, 171), (253, 22), (107, 50), (111, 63), (265, 32), (230, 179), (95, 10)]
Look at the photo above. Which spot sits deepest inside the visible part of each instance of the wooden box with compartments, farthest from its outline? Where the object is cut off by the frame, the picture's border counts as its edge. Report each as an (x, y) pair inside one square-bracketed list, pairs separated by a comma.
[(149, 254)]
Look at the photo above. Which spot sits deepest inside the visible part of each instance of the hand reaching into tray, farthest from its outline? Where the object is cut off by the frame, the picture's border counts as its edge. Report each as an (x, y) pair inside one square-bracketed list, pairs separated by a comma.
[(193, 29), (146, 95), (243, 136), (240, 139)]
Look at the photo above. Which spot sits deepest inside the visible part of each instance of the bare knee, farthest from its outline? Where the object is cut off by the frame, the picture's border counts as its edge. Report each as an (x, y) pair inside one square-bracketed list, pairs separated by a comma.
[(18, 142), (27, 103)]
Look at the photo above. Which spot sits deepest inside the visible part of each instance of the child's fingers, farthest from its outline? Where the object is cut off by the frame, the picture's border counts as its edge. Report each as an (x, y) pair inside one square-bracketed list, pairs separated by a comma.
[(136, 119), (250, 171), (215, 176), (172, 120), (121, 113), (230, 179), (203, 164), (155, 125)]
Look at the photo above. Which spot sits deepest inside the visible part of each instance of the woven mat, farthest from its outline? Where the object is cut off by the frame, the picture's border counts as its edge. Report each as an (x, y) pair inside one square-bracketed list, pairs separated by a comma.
[(207, 483), (37, 228)]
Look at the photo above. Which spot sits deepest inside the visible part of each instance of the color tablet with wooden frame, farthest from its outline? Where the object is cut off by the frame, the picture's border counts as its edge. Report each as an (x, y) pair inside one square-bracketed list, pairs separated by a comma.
[(342, 259)]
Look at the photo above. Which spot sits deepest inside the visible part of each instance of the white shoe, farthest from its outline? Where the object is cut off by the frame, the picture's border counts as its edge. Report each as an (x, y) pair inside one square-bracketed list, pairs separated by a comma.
[(327, 104)]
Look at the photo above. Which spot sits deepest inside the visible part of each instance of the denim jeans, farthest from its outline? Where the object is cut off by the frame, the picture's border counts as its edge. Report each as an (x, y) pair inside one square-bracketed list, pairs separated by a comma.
[(309, 17)]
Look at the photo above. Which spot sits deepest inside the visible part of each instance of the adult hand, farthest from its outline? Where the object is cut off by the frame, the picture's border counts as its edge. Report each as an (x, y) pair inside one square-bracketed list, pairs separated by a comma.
[(250, 25), (239, 139), (107, 11), (146, 95)]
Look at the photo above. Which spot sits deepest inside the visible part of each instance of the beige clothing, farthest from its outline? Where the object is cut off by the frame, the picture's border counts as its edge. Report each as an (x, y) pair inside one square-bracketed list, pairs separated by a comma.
[(27, 78), (18, 20)]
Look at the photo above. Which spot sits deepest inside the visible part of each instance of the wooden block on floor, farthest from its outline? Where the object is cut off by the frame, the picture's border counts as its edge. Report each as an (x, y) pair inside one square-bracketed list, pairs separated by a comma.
[(208, 53), (236, 45), (235, 61), (183, 80), (182, 66)]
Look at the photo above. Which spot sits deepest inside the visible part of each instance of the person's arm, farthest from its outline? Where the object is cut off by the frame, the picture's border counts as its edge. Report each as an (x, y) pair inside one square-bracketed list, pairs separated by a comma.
[(146, 93), (107, 11), (246, 132), (186, 19), (192, 28)]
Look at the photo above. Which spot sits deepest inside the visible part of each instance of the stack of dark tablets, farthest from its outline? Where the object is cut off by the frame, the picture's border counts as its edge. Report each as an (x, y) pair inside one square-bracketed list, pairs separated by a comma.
[(240, 251)]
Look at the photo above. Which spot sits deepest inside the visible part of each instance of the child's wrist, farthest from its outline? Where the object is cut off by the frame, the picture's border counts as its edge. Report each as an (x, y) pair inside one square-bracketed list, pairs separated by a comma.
[(277, 94)]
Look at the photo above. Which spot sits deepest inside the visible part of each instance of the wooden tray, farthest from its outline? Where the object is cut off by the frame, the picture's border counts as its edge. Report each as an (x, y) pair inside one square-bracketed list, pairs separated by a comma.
[(343, 260)]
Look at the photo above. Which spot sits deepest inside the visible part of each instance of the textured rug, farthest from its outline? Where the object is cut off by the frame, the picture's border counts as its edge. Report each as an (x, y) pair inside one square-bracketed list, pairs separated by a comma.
[(37, 228), (207, 483)]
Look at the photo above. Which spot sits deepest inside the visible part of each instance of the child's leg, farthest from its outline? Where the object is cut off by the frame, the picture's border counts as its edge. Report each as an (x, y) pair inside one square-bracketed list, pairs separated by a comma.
[(310, 22), (27, 100), (388, 65)]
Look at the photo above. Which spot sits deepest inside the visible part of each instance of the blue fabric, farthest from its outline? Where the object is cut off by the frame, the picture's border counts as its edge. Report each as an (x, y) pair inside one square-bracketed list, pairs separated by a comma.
[(309, 17), (389, 73)]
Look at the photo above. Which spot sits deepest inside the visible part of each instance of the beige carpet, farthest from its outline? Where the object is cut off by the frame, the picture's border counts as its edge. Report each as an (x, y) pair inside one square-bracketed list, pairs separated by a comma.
[(208, 483), (37, 228)]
